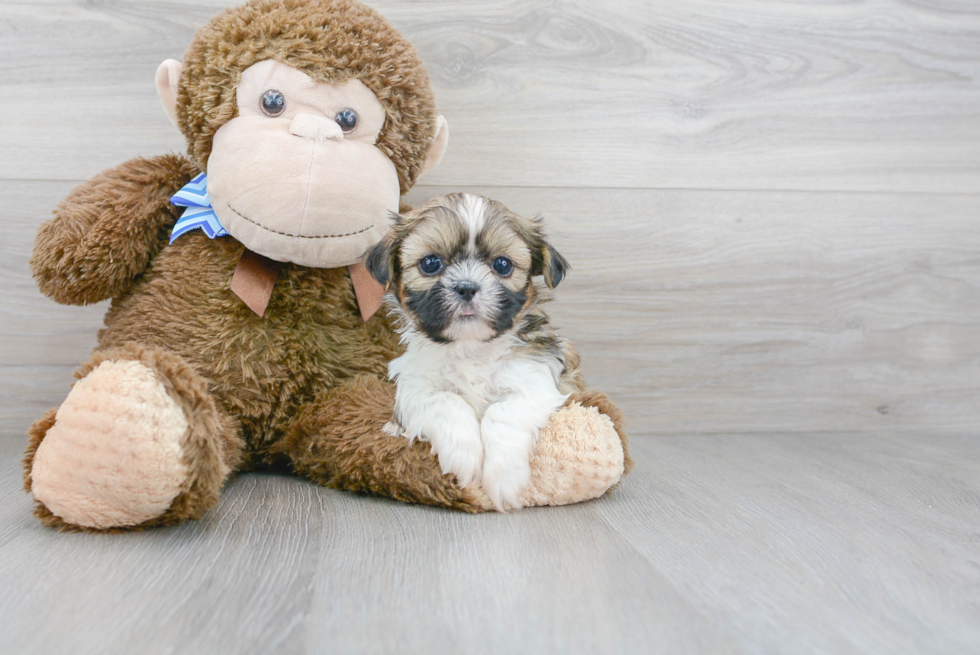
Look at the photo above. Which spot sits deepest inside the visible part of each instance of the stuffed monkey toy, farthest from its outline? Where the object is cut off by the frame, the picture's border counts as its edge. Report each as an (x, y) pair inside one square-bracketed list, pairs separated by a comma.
[(243, 332)]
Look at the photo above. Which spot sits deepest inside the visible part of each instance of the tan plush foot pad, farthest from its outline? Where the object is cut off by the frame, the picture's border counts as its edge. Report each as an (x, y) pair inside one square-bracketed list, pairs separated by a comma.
[(579, 456), (113, 456)]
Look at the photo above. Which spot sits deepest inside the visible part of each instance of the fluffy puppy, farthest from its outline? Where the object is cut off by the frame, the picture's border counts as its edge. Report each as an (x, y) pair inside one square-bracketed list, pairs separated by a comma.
[(482, 370)]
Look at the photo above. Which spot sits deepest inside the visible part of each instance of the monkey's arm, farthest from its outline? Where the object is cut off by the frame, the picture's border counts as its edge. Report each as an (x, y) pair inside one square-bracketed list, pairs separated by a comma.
[(108, 229)]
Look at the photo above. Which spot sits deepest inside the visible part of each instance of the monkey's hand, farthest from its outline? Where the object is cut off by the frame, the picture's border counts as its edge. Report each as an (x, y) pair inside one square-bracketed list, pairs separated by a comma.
[(107, 230)]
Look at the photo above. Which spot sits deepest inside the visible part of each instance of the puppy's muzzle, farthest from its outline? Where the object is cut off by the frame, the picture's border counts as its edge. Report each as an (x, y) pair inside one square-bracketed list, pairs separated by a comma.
[(467, 290)]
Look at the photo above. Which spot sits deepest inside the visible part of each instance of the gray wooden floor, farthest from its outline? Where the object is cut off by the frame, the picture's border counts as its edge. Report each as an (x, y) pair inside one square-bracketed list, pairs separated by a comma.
[(719, 544), (773, 215)]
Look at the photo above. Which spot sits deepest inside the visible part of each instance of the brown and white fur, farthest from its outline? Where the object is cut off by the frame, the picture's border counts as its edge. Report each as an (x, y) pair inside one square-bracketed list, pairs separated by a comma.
[(482, 370)]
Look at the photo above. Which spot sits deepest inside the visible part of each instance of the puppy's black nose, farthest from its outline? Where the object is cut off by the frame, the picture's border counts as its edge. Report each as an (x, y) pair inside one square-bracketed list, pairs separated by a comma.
[(467, 290)]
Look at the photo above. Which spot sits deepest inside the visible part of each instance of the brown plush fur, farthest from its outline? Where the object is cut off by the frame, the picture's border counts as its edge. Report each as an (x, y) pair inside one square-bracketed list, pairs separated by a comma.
[(263, 371), (336, 442), (302, 387), (329, 40), (108, 229), (35, 435)]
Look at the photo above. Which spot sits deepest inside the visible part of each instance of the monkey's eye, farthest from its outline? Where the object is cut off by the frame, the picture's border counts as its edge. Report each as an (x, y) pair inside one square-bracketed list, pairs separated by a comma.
[(273, 103), (430, 265), (502, 266), (346, 119)]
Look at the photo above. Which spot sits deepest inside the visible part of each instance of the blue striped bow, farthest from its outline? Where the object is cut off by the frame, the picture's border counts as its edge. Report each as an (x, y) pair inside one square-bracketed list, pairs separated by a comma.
[(198, 212)]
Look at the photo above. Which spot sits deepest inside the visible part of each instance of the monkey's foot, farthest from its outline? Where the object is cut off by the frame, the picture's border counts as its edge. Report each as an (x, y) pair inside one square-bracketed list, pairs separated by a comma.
[(122, 450)]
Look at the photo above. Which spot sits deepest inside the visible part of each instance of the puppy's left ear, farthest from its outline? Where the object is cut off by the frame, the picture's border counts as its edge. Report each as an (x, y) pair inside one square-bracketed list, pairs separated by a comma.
[(545, 260), (553, 265), (380, 262)]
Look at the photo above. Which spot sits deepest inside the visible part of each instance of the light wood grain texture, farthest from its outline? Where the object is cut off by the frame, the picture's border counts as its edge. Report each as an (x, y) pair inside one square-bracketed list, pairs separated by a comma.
[(35, 329), (726, 544), (759, 94), (699, 312), (761, 312), (26, 392), (772, 211)]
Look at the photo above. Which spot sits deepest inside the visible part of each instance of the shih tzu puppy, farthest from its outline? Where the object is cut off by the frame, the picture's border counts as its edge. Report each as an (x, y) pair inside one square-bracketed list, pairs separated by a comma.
[(482, 369)]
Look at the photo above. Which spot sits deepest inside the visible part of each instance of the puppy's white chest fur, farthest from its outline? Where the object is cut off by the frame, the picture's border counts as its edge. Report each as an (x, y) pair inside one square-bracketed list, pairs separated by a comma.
[(470, 371), (480, 405)]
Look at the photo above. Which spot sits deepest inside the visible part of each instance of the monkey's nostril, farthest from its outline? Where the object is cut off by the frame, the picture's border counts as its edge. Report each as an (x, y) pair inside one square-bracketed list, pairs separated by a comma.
[(467, 290)]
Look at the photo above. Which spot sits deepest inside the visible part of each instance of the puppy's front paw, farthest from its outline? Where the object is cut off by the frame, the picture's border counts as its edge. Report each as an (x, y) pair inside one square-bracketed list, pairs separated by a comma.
[(505, 480), (506, 463), (448, 423), (460, 452)]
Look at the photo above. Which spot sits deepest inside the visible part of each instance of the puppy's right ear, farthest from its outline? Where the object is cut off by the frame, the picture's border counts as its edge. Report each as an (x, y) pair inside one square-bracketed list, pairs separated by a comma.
[(380, 259), (377, 260)]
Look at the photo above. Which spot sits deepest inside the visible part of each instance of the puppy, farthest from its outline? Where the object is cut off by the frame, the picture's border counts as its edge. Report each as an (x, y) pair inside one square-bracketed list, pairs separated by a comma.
[(482, 369)]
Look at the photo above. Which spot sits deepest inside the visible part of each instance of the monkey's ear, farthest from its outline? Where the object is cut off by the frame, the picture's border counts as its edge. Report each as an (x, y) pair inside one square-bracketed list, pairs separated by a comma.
[(379, 260), (554, 266), (168, 77), (438, 147)]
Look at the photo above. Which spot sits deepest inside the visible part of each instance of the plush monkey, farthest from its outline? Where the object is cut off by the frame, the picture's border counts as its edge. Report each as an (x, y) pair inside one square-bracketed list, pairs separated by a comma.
[(242, 330)]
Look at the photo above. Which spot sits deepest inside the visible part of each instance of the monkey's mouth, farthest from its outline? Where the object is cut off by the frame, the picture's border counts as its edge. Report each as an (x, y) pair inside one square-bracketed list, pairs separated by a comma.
[(298, 236)]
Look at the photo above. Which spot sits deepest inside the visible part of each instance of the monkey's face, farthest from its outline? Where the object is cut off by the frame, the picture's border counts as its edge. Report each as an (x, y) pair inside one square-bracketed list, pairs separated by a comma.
[(296, 175)]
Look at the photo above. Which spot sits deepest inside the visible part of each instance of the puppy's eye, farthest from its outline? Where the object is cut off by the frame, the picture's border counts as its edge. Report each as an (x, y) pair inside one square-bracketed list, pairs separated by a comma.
[(346, 119), (273, 103), (430, 264), (502, 266)]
